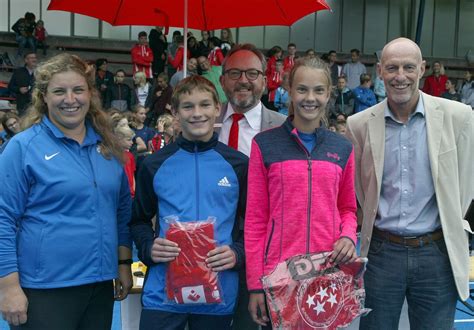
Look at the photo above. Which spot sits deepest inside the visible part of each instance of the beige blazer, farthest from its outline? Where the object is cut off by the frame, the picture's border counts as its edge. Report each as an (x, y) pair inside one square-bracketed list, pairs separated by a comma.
[(450, 144)]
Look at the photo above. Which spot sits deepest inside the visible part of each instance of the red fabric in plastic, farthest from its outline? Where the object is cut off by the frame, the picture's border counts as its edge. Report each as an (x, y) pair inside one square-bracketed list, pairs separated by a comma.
[(306, 292), (188, 279)]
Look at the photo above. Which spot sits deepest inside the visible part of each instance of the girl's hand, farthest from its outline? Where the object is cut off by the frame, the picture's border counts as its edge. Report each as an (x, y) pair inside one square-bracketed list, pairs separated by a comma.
[(343, 251)]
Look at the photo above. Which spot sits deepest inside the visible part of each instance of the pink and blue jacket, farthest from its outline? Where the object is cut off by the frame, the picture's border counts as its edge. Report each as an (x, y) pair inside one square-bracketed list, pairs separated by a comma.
[(298, 201)]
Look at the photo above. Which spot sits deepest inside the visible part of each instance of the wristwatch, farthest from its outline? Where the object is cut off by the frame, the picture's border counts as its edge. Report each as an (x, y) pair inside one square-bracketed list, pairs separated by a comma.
[(125, 262)]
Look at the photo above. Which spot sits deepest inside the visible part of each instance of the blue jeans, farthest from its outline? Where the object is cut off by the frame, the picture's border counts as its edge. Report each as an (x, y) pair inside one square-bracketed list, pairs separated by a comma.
[(23, 42), (422, 275), (159, 320)]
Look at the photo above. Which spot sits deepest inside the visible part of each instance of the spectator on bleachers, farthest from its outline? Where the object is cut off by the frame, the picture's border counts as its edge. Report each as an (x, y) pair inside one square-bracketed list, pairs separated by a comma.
[(281, 95), (191, 69), (177, 61), (227, 41), (341, 127), (142, 56), (274, 54), (204, 48), (216, 57), (160, 101), (173, 46), (193, 47), (435, 84), (273, 82), (125, 137), (290, 59), (364, 97), (24, 29), (158, 45), (22, 81), (40, 35), (141, 130), (353, 70), (213, 74), (451, 93), (342, 100), (467, 89), (142, 91), (379, 89), (310, 53), (103, 78), (333, 67), (119, 94), (164, 133), (11, 126)]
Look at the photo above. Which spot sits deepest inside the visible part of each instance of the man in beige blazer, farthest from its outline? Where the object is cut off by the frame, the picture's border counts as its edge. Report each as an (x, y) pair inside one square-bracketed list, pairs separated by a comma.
[(414, 182)]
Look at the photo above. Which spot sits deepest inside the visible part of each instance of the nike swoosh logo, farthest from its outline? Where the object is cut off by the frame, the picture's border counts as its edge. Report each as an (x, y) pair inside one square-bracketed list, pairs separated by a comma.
[(46, 157)]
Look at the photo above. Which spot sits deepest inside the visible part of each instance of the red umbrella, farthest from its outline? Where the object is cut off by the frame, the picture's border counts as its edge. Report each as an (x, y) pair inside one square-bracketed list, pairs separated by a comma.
[(203, 15), (196, 14)]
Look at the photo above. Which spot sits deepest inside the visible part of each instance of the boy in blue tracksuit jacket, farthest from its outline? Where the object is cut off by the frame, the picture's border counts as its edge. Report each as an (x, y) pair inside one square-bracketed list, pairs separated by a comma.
[(194, 178)]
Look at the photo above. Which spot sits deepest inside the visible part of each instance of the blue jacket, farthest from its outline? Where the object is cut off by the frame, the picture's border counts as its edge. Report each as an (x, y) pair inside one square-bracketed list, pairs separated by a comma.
[(363, 98), (192, 181), (64, 209)]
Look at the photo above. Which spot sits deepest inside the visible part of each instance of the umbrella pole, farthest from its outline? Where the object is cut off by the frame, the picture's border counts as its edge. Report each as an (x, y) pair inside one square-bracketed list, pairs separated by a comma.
[(185, 57)]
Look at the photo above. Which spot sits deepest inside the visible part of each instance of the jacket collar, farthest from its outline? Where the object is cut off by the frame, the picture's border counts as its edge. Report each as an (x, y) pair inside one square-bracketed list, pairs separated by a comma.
[(199, 146)]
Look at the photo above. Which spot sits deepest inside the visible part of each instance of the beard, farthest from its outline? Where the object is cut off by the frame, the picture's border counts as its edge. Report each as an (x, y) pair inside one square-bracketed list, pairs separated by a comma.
[(246, 103)]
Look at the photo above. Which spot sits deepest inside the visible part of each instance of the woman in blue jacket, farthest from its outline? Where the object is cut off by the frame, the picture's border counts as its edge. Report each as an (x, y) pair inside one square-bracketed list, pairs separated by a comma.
[(64, 208)]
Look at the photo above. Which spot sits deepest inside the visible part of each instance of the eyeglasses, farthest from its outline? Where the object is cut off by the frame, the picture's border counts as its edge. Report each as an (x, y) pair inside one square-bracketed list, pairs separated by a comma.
[(251, 74)]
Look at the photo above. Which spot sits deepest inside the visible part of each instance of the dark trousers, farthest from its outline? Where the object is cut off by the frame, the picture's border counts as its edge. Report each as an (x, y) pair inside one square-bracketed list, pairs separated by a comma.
[(159, 320), (81, 307), (422, 275), (242, 318)]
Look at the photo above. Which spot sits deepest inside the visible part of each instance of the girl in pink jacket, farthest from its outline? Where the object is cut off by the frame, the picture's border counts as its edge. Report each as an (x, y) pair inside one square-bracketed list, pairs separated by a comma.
[(301, 196)]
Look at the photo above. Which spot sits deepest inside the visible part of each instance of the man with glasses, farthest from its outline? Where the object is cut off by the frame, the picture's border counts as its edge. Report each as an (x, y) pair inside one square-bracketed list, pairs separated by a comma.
[(243, 81), (242, 117)]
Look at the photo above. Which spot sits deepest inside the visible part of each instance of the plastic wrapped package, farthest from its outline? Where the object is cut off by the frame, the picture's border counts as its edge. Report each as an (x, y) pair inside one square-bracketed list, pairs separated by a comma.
[(188, 279), (310, 292)]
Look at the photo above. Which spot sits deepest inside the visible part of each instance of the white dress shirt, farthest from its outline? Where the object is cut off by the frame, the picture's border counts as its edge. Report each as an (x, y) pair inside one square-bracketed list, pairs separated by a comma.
[(249, 126)]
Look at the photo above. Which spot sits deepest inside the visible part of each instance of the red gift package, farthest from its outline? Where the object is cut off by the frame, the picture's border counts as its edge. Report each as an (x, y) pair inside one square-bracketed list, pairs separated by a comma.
[(188, 279), (309, 292)]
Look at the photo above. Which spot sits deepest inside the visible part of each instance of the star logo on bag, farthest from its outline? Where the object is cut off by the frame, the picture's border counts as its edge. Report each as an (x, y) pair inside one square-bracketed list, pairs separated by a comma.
[(319, 301)]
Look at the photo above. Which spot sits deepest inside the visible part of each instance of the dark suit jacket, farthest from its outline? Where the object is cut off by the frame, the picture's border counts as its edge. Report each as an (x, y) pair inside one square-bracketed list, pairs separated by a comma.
[(21, 78)]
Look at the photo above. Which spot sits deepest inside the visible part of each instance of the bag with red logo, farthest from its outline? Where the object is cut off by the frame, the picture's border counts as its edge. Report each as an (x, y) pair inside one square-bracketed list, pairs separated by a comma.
[(188, 279), (310, 292)]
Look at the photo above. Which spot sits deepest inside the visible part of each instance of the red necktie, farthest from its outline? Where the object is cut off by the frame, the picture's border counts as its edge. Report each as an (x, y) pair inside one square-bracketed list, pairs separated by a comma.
[(234, 131)]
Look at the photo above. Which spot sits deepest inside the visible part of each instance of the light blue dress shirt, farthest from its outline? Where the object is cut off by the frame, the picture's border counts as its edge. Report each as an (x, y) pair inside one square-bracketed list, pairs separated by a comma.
[(407, 204)]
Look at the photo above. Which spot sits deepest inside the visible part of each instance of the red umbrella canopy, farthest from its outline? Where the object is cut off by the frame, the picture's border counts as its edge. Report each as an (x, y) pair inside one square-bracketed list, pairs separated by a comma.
[(202, 14)]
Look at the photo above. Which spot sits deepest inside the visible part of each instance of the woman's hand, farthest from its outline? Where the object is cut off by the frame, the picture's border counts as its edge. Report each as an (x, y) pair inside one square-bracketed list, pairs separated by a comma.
[(343, 251), (256, 307), (123, 283), (13, 302)]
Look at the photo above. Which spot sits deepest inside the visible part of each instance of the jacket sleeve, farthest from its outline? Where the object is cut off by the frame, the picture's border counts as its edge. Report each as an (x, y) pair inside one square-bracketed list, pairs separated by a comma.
[(256, 218), (139, 59), (177, 60), (124, 213), (346, 201), (238, 231), (13, 199), (220, 56), (143, 210), (464, 146), (277, 101), (427, 86), (16, 27)]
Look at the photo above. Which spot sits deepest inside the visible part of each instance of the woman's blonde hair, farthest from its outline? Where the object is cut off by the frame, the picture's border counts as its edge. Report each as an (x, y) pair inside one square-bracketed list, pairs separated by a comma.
[(63, 63), (310, 63)]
